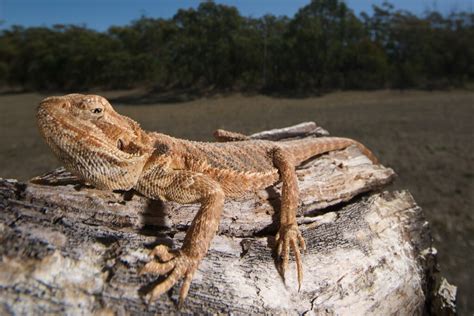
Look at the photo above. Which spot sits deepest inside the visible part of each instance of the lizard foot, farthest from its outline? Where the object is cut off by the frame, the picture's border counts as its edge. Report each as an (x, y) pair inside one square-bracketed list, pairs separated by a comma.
[(177, 264), (290, 237)]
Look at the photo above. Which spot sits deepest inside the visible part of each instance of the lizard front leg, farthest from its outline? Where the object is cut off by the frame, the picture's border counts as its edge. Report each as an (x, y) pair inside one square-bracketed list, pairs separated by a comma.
[(289, 235), (184, 187)]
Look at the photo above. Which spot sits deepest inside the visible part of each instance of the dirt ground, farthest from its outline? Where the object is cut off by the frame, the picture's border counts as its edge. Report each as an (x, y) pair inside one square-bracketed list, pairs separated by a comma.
[(426, 137)]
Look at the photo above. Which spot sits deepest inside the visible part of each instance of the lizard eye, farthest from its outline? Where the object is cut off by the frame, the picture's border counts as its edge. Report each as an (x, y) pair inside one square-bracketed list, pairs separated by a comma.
[(120, 144), (97, 111)]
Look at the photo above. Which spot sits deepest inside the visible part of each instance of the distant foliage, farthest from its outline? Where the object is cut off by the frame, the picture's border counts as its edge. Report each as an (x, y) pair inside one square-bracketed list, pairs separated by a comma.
[(324, 46)]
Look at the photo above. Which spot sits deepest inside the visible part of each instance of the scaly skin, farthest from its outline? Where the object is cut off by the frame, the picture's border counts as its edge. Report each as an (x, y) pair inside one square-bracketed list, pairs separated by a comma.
[(112, 152)]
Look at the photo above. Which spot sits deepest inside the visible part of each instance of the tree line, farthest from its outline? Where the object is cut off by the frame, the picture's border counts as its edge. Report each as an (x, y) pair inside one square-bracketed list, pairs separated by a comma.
[(324, 46)]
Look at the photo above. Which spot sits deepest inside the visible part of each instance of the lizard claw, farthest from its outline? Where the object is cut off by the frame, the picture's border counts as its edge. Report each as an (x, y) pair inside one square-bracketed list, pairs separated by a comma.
[(177, 264), (290, 237)]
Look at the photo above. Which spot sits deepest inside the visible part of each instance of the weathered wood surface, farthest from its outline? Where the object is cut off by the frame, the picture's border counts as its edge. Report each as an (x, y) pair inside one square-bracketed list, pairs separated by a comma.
[(69, 248), (300, 130)]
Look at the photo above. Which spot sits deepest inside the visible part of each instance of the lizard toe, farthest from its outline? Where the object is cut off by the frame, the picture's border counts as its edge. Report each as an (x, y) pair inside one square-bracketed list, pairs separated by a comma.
[(290, 238), (181, 266), (158, 267), (163, 253)]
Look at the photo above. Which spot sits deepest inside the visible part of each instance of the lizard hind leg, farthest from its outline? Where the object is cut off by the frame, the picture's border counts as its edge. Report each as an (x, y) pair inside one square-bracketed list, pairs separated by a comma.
[(289, 235), (227, 136)]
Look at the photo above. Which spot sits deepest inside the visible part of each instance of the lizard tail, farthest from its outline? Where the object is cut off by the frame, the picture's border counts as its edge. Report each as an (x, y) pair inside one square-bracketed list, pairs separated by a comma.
[(303, 149)]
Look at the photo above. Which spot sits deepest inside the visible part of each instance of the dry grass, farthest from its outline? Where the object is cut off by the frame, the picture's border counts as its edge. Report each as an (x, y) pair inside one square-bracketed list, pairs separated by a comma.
[(427, 137)]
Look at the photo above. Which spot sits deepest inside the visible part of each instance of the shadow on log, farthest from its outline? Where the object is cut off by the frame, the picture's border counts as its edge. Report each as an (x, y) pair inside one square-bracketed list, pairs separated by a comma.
[(68, 248)]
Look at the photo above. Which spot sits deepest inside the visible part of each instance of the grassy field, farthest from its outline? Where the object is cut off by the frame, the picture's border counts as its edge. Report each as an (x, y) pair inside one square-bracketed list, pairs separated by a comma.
[(427, 137)]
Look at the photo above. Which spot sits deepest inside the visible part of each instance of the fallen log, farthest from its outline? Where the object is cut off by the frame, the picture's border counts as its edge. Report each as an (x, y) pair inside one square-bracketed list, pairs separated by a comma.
[(68, 248)]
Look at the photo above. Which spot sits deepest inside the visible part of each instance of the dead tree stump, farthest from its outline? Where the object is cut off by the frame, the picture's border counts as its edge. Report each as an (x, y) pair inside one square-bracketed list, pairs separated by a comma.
[(67, 248)]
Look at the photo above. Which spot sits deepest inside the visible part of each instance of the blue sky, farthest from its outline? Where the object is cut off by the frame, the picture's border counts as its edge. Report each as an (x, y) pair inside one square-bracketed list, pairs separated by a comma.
[(100, 14)]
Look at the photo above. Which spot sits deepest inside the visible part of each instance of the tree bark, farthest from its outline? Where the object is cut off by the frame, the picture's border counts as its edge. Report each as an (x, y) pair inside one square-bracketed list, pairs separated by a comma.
[(68, 248)]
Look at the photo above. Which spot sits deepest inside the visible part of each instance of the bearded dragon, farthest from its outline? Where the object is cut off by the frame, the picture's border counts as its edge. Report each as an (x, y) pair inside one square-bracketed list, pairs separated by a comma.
[(111, 152)]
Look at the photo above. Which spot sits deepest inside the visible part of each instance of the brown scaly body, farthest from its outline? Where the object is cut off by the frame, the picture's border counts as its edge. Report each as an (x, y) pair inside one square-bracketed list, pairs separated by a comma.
[(112, 152)]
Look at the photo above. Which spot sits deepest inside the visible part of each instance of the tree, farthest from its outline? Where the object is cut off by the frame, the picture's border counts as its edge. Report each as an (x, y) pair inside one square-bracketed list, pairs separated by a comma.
[(325, 46)]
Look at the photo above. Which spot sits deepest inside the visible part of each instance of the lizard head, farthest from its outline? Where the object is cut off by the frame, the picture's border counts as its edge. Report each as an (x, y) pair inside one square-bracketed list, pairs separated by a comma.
[(94, 142)]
